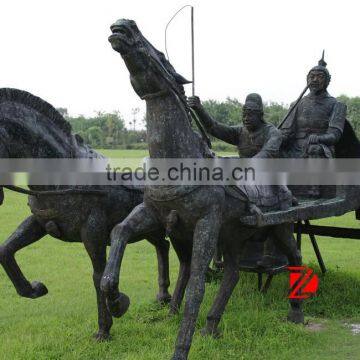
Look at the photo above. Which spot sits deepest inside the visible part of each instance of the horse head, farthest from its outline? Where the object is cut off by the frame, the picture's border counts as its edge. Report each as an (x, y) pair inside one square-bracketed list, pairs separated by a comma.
[(150, 72)]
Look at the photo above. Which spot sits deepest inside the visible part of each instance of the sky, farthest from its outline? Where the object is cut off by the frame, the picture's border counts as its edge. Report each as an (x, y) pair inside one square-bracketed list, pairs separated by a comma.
[(58, 50)]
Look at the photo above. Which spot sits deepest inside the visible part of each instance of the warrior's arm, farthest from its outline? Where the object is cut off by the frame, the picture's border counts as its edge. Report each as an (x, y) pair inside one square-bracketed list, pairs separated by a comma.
[(331, 137), (336, 126), (229, 134), (271, 147)]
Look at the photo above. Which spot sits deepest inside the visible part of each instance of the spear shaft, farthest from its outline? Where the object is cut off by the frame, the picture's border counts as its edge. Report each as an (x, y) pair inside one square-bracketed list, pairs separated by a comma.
[(294, 106), (192, 51)]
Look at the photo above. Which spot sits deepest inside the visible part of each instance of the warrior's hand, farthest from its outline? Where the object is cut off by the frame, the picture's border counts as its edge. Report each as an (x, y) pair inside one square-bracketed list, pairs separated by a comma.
[(194, 102), (313, 139)]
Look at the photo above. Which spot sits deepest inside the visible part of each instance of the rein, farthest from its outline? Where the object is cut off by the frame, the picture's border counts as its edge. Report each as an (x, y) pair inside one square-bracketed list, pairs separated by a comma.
[(55, 192), (181, 98)]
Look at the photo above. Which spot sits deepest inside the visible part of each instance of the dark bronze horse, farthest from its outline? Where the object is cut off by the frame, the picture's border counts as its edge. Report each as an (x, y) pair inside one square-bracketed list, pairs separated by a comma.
[(198, 215), (32, 128)]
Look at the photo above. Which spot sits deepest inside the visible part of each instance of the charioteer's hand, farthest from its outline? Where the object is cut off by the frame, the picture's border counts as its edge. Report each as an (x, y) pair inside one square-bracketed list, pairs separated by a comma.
[(313, 139), (194, 102), (254, 210)]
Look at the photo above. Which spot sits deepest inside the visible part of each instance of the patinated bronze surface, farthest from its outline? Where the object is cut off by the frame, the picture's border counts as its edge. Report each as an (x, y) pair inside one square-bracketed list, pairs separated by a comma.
[(255, 139), (202, 214), (196, 218), (258, 139), (31, 128), (315, 127), (317, 123)]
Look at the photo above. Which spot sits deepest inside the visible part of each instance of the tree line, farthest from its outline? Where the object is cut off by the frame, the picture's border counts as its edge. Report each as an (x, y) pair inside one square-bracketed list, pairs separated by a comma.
[(108, 130)]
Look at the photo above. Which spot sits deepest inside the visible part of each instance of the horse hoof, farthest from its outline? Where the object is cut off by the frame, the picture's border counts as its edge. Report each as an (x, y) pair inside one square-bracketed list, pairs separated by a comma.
[(102, 336), (118, 306), (38, 290), (296, 316), (163, 299), (179, 356), (215, 333)]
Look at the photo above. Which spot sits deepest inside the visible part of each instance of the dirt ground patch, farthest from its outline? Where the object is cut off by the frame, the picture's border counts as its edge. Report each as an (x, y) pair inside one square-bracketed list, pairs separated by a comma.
[(355, 328), (315, 327)]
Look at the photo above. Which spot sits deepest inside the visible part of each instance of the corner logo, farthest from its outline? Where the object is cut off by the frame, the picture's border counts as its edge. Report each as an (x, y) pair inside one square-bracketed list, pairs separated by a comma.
[(303, 283)]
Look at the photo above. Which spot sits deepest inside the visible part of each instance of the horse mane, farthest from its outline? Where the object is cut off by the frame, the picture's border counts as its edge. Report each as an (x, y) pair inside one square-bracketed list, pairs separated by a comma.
[(38, 104)]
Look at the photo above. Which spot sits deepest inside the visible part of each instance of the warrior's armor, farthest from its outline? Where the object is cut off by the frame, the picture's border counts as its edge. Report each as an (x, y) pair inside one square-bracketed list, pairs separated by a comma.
[(316, 114), (320, 115)]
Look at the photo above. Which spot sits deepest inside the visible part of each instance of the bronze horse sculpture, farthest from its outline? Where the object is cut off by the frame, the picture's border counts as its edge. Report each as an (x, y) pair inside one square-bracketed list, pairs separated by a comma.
[(32, 128), (199, 214)]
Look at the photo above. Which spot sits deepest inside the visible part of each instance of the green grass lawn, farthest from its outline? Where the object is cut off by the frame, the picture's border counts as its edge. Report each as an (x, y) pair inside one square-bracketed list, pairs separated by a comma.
[(60, 325)]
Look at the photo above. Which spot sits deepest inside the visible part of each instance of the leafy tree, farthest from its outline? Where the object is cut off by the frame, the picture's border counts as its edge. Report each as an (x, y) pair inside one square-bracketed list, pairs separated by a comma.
[(95, 136), (108, 129)]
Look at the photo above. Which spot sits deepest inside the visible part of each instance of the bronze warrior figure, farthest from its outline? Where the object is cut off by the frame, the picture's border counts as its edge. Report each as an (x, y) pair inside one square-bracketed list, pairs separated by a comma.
[(255, 139), (317, 123)]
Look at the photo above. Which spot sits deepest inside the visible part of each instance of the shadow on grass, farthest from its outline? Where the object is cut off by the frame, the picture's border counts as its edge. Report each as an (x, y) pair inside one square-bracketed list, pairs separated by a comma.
[(338, 296)]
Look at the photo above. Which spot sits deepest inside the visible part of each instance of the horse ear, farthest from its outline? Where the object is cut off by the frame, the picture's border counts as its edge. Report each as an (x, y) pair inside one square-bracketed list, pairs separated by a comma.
[(181, 80)]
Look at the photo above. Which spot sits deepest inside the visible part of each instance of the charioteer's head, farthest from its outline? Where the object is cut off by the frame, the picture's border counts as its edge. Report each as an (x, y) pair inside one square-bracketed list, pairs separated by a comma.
[(253, 112), (319, 77)]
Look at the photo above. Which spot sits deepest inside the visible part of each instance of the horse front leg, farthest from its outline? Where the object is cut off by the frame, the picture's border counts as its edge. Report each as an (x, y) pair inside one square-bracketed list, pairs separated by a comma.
[(183, 251), (162, 252), (205, 238), (284, 239), (228, 284), (27, 233), (138, 224), (94, 237)]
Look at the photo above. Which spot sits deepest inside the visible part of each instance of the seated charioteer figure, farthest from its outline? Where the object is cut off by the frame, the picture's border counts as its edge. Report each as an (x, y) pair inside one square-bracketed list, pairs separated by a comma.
[(255, 139), (315, 126), (317, 123)]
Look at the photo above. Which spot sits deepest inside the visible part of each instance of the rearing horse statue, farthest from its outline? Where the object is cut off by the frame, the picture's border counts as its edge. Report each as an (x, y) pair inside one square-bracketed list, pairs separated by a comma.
[(199, 214), (32, 128)]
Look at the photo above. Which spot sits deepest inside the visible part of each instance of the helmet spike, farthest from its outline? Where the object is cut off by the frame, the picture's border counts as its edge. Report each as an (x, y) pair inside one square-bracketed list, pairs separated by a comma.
[(322, 62)]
